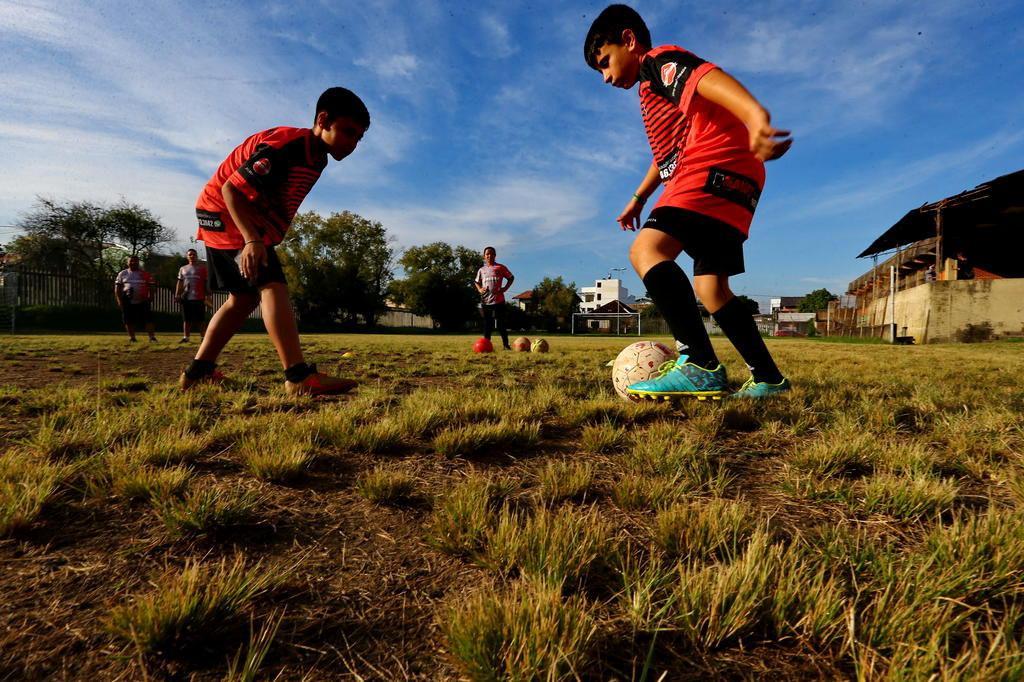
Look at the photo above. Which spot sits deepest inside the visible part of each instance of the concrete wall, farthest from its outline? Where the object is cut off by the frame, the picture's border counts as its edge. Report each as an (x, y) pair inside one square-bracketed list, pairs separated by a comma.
[(936, 311)]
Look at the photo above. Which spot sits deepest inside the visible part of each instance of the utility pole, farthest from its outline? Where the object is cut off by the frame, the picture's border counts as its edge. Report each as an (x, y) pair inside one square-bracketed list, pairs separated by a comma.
[(892, 300)]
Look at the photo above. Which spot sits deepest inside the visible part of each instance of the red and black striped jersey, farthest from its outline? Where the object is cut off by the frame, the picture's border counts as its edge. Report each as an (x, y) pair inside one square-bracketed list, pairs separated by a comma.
[(665, 74), (702, 149), (275, 169)]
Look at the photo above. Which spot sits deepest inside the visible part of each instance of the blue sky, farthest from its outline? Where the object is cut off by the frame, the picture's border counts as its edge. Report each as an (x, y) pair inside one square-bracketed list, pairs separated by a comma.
[(488, 127)]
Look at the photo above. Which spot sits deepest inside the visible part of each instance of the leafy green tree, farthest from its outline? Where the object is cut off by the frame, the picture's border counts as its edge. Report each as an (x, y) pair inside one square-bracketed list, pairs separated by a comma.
[(438, 282), (136, 228), (516, 319), (62, 237), (164, 267), (815, 301), (557, 301), (39, 252), (751, 304), (71, 237), (338, 267)]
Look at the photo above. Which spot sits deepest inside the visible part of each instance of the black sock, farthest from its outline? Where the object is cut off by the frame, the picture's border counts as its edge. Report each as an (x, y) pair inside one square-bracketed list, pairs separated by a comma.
[(198, 369), (298, 373), (672, 293), (738, 324)]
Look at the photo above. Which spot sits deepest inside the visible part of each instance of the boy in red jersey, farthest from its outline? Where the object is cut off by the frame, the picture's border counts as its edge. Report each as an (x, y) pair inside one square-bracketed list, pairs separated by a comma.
[(245, 210), (710, 139)]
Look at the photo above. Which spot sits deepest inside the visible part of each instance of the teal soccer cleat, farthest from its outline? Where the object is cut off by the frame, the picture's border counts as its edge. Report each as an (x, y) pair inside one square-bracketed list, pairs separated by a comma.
[(761, 389), (682, 378)]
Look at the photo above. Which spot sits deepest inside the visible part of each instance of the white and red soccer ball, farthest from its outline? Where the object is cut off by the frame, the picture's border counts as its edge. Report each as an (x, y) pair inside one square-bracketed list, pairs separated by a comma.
[(638, 362)]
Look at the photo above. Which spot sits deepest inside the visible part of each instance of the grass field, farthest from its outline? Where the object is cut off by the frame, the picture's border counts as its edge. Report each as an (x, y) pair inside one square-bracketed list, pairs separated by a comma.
[(508, 517)]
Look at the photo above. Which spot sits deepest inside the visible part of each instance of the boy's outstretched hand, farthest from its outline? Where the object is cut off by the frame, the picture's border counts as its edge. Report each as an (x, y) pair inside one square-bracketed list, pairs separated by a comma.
[(629, 219), (769, 143)]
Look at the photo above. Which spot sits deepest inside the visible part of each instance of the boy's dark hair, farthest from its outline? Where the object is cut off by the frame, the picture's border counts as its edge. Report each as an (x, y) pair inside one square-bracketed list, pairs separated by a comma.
[(338, 102), (492, 249), (607, 30), (191, 251)]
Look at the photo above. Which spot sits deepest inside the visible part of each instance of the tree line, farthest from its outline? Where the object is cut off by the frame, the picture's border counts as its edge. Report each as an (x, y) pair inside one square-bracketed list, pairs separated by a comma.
[(340, 267)]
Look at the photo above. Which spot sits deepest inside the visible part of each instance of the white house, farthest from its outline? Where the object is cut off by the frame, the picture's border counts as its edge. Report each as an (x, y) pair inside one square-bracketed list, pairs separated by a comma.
[(604, 291)]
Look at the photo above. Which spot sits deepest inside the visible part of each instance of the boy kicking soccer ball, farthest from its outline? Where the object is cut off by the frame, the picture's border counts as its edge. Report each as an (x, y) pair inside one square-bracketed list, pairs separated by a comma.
[(244, 212), (710, 139)]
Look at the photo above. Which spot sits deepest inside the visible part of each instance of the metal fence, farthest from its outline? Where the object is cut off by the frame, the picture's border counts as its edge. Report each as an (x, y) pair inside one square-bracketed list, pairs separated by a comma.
[(22, 288), (655, 325), (8, 299)]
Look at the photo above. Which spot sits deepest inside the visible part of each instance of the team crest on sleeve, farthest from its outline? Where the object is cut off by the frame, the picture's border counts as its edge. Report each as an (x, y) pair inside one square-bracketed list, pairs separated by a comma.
[(261, 166), (668, 74)]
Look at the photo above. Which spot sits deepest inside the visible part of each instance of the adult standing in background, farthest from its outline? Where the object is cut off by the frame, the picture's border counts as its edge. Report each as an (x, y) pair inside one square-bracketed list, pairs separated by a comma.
[(190, 293), (492, 293), (133, 290)]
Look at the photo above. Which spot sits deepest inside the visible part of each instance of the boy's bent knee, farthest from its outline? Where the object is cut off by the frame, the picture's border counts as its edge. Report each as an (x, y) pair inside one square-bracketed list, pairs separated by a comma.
[(642, 257), (634, 258), (712, 290), (650, 248)]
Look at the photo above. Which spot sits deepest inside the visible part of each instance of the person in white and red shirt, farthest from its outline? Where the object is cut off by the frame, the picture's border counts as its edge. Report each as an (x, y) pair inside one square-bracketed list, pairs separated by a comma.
[(190, 292), (133, 289), (492, 281)]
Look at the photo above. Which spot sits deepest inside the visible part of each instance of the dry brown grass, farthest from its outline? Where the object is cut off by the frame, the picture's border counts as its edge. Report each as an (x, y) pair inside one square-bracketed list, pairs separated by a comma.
[(526, 523)]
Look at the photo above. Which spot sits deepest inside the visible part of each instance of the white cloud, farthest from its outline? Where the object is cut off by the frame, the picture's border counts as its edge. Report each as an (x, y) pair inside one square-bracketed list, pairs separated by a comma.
[(31, 21), (831, 70), (518, 213), (391, 66), (78, 170), (496, 39), (897, 176), (144, 104)]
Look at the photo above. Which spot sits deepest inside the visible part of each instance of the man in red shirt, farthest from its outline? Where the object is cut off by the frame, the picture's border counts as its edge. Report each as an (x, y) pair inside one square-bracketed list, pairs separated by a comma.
[(710, 139), (190, 293), (133, 291), (245, 210), (492, 281)]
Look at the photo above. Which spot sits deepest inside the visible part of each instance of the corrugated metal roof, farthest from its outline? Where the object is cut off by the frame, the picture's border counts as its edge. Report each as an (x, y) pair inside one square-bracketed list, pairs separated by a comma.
[(992, 202)]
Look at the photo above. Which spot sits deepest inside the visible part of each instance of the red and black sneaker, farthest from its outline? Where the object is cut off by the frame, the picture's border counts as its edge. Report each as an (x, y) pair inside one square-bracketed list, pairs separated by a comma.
[(319, 384), (215, 377)]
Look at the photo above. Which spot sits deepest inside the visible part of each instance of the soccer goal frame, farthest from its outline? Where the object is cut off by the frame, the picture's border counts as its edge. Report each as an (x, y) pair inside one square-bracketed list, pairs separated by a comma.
[(614, 327)]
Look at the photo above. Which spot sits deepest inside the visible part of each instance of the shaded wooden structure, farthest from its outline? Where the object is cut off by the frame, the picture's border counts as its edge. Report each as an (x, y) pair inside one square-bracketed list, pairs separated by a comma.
[(977, 234)]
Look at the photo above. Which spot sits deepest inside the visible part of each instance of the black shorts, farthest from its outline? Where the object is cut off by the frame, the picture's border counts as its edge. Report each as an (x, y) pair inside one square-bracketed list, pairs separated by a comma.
[(193, 311), (136, 313), (715, 247), (225, 275)]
